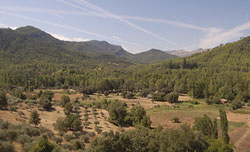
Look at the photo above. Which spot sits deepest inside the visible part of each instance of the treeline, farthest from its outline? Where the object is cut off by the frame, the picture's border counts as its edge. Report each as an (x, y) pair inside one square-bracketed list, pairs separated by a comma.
[(202, 137), (222, 72)]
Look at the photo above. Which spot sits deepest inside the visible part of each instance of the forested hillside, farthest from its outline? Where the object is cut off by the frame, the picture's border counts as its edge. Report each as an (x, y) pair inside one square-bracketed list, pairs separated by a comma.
[(151, 56), (32, 58), (223, 72), (26, 44)]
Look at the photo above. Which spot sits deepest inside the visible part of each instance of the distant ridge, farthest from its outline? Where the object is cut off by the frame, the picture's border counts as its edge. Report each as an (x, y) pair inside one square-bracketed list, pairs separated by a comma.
[(184, 53), (31, 39), (153, 55)]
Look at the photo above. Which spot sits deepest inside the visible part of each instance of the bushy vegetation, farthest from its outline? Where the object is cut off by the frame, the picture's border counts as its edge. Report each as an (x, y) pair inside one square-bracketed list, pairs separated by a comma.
[(3, 100), (128, 95), (206, 126), (222, 72), (144, 140), (45, 100), (34, 118), (72, 122), (117, 112), (137, 116)]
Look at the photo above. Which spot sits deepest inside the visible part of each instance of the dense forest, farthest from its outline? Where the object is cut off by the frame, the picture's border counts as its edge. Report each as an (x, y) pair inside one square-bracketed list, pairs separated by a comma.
[(33, 59)]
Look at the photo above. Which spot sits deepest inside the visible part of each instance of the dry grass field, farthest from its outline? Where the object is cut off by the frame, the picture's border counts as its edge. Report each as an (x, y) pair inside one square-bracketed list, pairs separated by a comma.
[(161, 113)]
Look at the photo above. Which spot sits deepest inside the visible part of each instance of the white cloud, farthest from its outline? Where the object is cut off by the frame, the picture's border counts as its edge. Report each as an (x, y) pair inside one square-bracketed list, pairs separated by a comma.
[(218, 37), (64, 38), (116, 37), (6, 26)]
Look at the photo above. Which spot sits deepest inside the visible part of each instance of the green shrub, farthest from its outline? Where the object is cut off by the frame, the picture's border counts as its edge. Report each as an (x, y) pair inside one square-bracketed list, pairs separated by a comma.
[(213, 100), (160, 96), (236, 104), (176, 120), (3, 135), (12, 108), (85, 138), (30, 131), (19, 94), (28, 146), (106, 93), (137, 116), (98, 129), (43, 129), (117, 112), (91, 134), (6, 147), (33, 97), (22, 139), (43, 145), (77, 144), (80, 150), (45, 103), (86, 115), (3, 100), (68, 137), (128, 95), (4, 125), (195, 102), (64, 100), (96, 122), (172, 97), (12, 134), (21, 113), (144, 92), (50, 134), (68, 146), (58, 140), (77, 134)]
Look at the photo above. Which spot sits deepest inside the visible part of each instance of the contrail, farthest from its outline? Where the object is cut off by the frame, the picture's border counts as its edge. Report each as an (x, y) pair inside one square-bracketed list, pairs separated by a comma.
[(68, 27), (91, 13), (112, 16), (164, 21)]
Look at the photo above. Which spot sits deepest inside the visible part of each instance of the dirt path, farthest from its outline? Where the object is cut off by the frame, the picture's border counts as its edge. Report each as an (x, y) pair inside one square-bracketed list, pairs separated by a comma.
[(242, 138)]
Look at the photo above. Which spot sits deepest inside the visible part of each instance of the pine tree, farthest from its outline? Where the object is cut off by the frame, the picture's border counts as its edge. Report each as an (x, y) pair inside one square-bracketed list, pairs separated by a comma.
[(34, 118), (64, 100), (43, 145), (224, 126), (3, 100), (68, 108), (206, 126), (215, 128)]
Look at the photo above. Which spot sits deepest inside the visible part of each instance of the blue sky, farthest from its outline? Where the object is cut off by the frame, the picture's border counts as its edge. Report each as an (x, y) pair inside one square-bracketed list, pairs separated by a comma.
[(137, 25)]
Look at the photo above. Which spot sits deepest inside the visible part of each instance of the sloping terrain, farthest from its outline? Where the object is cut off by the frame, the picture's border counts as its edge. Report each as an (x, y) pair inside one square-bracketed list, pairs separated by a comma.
[(151, 56)]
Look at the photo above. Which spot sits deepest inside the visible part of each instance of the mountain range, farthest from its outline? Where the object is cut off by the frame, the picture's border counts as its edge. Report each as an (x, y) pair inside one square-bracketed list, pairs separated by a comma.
[(37, 43), (31, 57), (184, 53)]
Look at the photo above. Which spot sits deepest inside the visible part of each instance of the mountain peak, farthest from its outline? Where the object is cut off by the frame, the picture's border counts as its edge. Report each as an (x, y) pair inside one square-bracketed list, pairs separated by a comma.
[(28, 29), (155, 50), (152, 55), (34, 32)]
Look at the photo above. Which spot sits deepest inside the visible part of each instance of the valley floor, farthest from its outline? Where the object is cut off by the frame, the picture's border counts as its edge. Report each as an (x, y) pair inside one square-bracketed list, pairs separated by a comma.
[(161, 113)]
